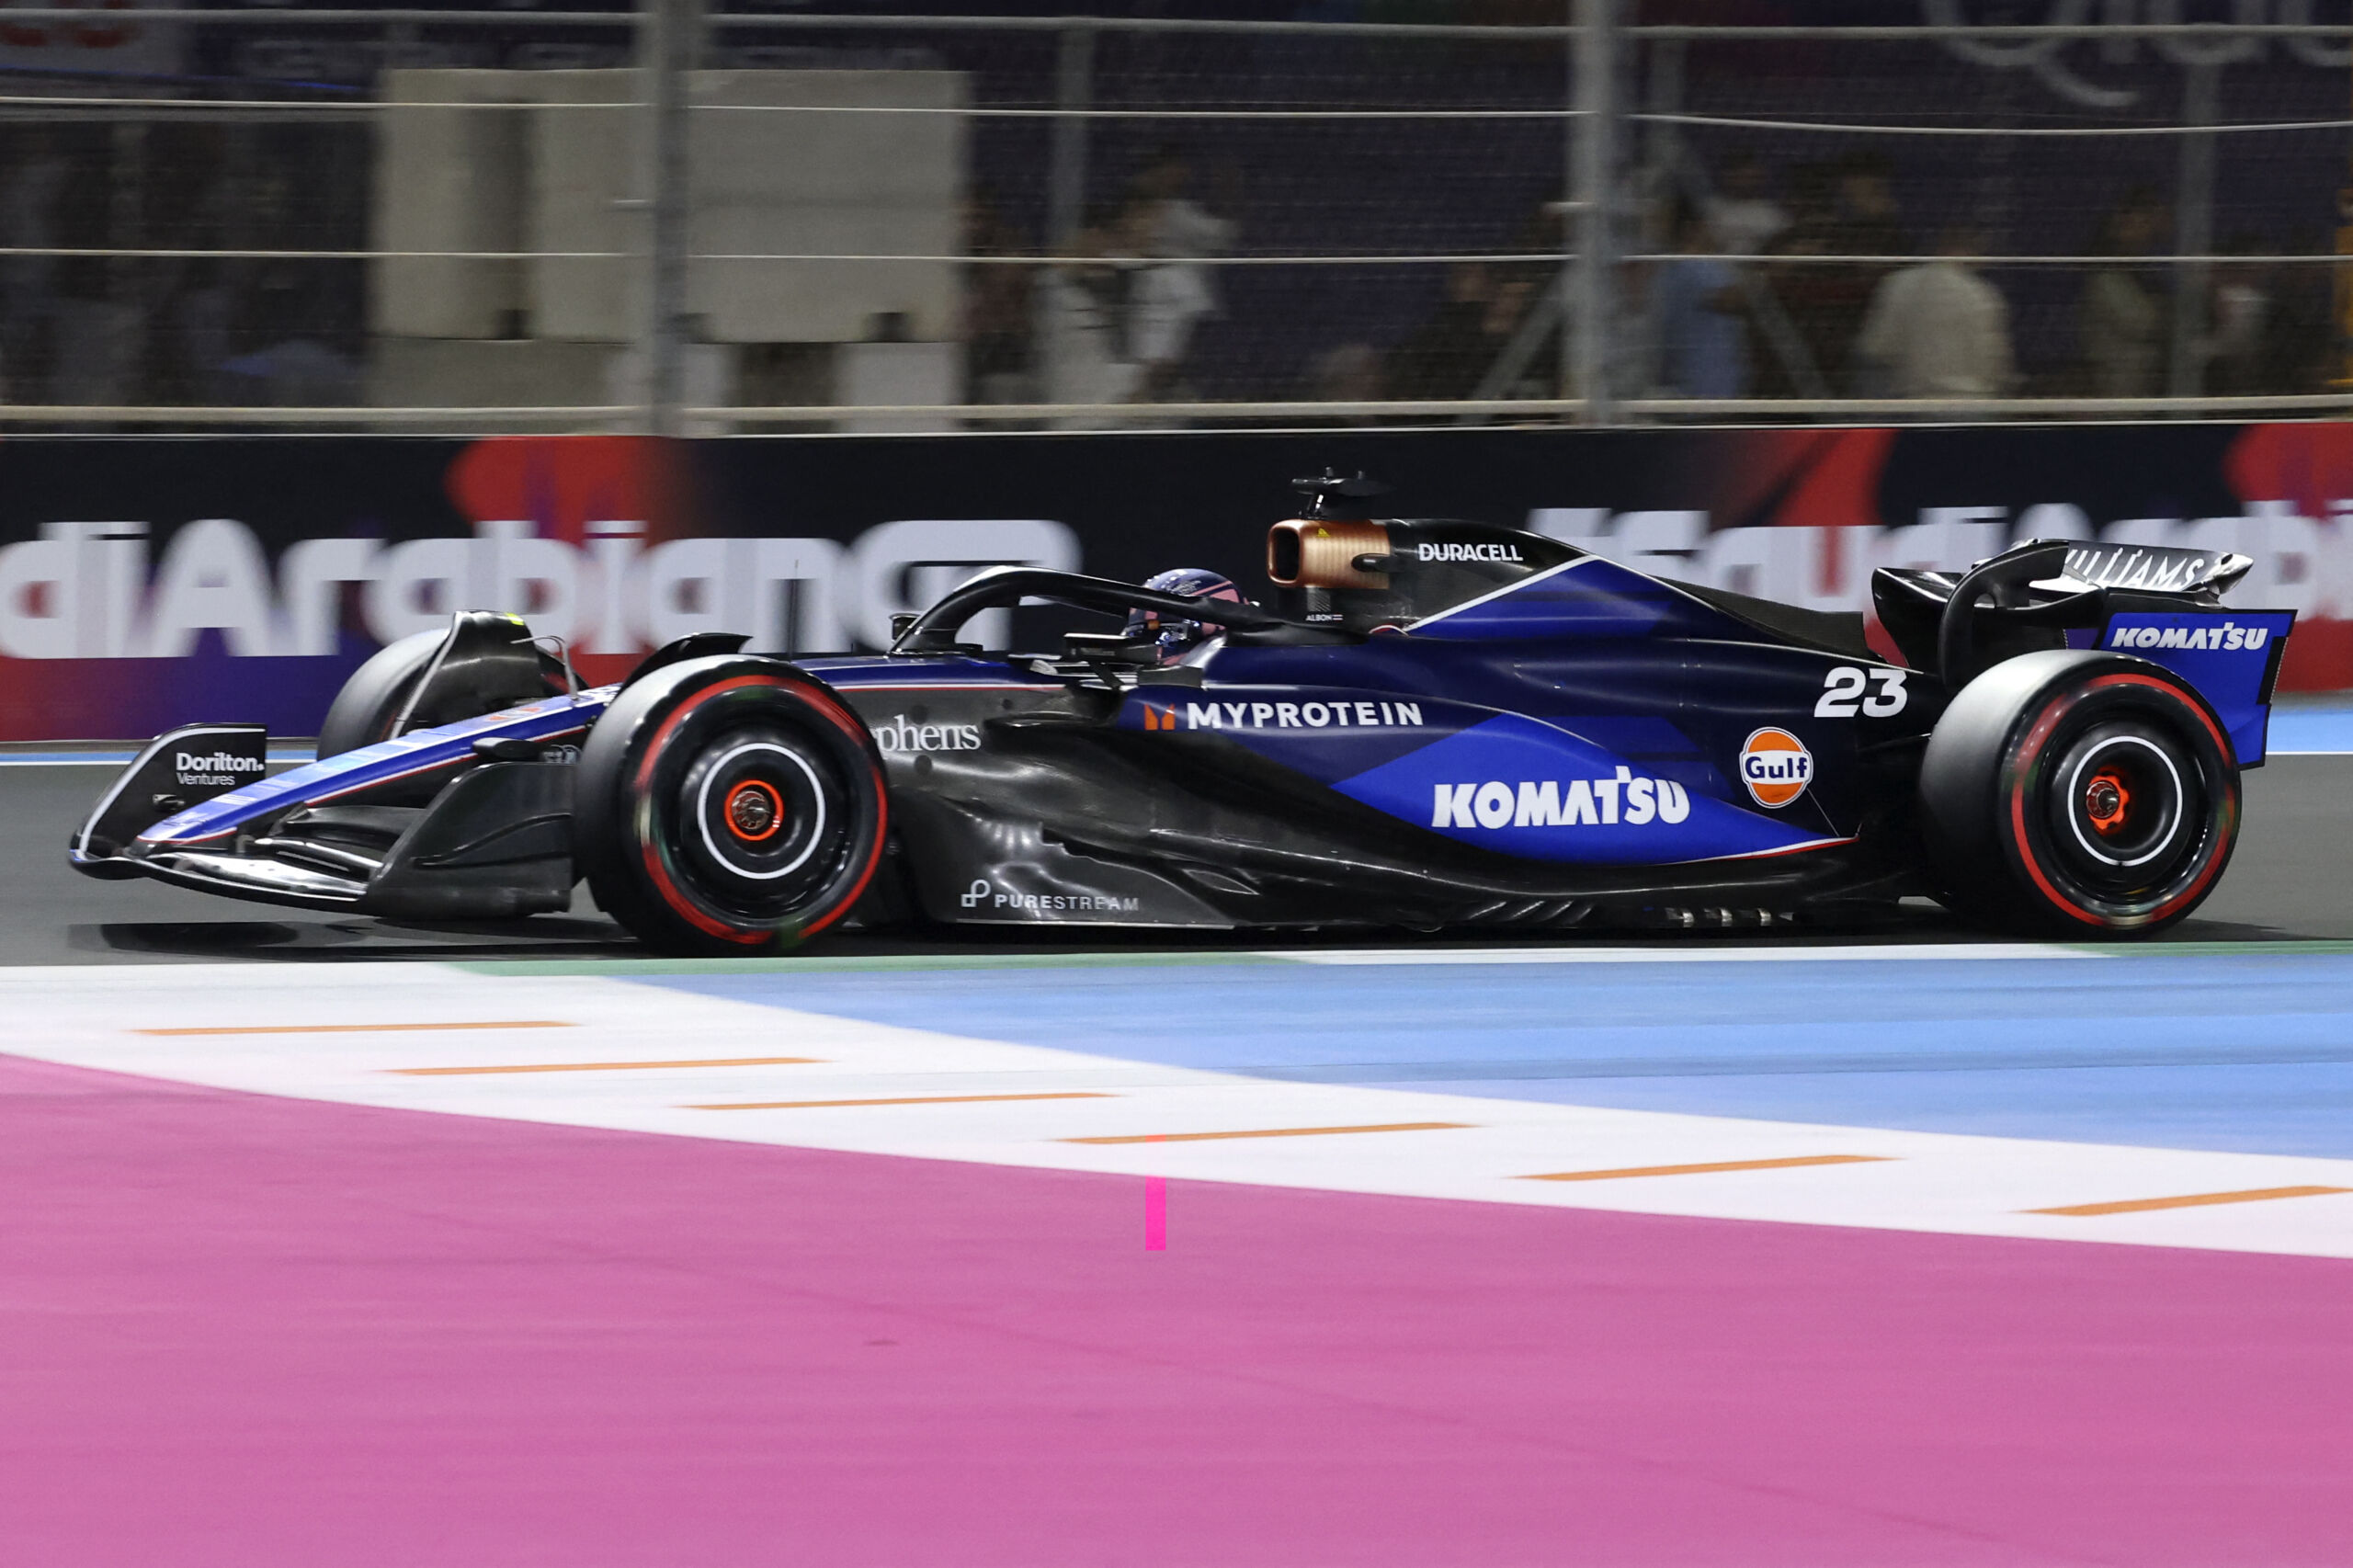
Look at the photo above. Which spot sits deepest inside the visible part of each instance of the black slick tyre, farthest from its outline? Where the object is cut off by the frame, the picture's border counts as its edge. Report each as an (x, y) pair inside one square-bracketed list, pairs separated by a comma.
[(728, 806), (364, 711), (2068, 793)]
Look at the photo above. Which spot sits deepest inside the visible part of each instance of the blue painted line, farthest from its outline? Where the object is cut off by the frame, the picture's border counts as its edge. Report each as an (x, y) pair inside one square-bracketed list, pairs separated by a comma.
[(2249, 1052), (2309, 730)]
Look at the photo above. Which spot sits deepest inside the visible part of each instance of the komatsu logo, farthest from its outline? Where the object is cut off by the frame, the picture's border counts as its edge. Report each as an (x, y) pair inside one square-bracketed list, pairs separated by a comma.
[(219, 767), (1575, 803), (1468, 552), (2227, 637), (1289, 716)]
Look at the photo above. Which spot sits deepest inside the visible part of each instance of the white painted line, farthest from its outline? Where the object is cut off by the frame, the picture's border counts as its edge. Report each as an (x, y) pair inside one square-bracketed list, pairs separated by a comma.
[(1916, 1181), (1695, 953)]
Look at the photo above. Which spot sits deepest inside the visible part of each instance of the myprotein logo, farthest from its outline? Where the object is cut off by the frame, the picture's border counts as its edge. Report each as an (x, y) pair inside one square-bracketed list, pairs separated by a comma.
[(1776, 767), (220, 768), (1289, 716), (986, 894), (1450, 552), (899, 737), (2227, 636), (1625, 798)]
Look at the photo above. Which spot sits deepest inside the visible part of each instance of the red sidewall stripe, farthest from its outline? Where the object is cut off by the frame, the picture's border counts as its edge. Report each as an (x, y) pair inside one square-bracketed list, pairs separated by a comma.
[(2040, 734), (824, 703)]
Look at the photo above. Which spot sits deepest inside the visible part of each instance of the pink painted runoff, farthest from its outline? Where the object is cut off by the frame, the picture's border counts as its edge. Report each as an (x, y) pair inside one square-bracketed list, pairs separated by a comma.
[(255, 1332)]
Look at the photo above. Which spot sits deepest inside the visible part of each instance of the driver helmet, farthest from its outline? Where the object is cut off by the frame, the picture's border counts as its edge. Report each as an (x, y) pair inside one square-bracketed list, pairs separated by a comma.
[(1178, 636)]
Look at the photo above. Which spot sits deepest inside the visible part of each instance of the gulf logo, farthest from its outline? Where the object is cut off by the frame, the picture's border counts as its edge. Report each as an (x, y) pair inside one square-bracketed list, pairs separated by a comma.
[(1776, 767)]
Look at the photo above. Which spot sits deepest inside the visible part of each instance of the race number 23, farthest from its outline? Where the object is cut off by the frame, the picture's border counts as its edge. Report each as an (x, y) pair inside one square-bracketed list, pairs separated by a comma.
[(1846, 690)]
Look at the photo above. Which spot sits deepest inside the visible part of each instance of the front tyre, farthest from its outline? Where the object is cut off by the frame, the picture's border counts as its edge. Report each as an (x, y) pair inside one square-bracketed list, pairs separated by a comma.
[(728, 806), (2076, 793)]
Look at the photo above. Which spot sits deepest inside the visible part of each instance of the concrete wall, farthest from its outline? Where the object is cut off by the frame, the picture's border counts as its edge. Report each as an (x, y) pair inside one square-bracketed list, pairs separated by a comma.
[(765, 180)]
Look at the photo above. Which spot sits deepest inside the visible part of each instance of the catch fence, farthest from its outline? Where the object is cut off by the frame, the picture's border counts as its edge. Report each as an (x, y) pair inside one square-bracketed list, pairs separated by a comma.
[(1602, 211)]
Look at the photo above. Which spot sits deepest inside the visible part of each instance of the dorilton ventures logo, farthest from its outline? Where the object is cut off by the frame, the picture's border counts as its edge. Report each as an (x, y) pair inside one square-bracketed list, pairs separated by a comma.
[(219, 767), (1776, 767)]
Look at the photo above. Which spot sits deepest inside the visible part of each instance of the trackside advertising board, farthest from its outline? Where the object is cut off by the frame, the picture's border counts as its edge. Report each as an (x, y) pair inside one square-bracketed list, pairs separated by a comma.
[(149, 582)]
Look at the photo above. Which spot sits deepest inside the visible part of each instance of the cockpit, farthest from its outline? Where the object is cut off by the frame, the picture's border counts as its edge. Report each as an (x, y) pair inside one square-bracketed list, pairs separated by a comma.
[(1337, 578)]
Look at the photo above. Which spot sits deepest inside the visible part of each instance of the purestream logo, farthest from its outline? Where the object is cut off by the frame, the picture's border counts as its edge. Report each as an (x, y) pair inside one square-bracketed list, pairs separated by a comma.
[(985, 893), (2229, 636), (220, 768), (1625, 798), (897, 737)]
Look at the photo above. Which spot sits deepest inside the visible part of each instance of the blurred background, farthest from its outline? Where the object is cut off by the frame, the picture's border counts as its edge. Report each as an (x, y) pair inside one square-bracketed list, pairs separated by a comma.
[(564, 215)]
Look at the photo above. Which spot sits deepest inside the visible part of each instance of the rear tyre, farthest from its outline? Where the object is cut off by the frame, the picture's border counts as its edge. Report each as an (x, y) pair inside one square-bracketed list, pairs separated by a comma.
[(728, 806), (2082, 794)]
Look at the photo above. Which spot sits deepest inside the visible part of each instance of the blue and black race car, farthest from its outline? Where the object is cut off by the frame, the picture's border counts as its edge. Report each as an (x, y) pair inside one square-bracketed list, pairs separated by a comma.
[(1435, 725)]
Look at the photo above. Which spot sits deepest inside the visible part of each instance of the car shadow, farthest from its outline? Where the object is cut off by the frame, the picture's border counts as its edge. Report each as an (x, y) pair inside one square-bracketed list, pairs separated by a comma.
[(348, 940)]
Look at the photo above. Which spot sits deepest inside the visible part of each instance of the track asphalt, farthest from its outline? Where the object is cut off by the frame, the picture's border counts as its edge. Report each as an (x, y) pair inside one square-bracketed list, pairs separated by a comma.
[(2290, 880), (518, 1247)]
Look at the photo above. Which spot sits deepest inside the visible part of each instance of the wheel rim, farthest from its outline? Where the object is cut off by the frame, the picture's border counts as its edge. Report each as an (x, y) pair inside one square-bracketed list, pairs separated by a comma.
[(2125, 804), (759, 821)]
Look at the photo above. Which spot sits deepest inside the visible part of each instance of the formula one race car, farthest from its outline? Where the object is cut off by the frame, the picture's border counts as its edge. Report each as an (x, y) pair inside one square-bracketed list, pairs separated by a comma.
[(1436, 725)]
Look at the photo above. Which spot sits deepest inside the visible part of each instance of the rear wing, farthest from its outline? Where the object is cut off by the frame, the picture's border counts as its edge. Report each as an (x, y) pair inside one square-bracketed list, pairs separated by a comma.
[(2152, 601)]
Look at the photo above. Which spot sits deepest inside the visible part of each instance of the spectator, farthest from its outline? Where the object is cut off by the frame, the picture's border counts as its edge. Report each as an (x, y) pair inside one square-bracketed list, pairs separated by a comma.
[(1743, 217), (2302, 343), (1087, 358), (999, 308), (2239, 314), (1844, 209), (1174, 289), (2122, 318), (1939, 329), (1348, 372), (1449, 354), (1703, 351)]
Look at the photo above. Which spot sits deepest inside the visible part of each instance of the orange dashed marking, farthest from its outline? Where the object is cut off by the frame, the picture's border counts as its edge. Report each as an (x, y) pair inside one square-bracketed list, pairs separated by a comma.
[(902, 1099), (2189, 1200), (1789, 1163), (1269, 1132), (372, 1029), (605, 1066)]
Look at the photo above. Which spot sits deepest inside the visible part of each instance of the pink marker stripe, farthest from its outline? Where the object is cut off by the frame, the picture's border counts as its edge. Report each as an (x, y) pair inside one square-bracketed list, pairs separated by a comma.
[(245, 1332), (1155, 1212)]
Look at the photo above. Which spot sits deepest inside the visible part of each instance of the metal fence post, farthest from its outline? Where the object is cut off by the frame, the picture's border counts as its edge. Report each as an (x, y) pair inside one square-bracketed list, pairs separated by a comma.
[(1066, 198), (669, 44), (1590, 136), (2193, 227)]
